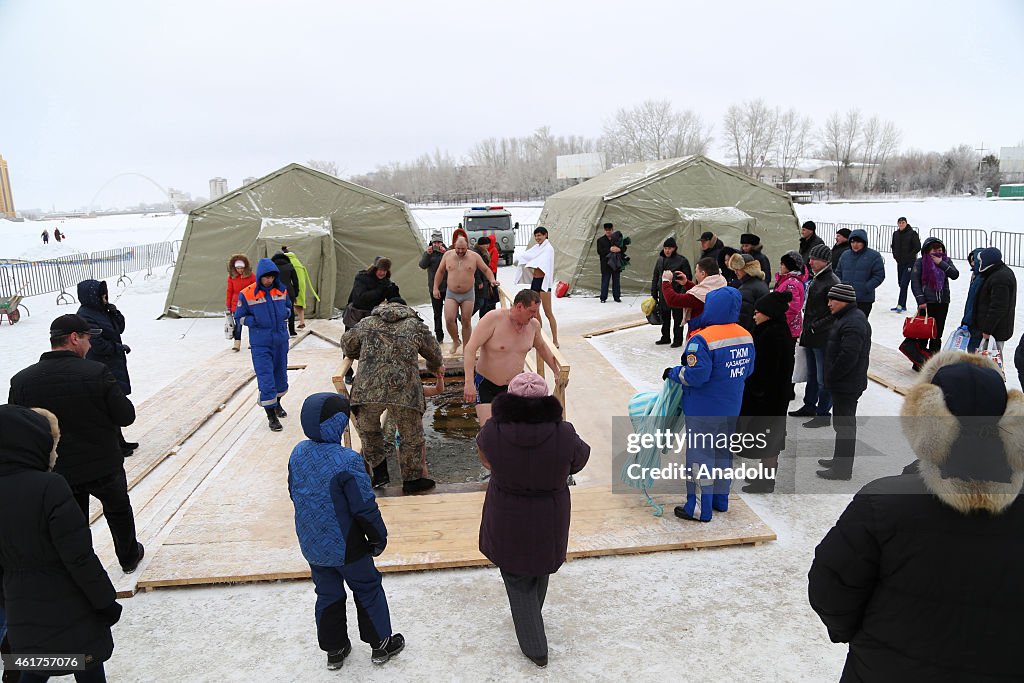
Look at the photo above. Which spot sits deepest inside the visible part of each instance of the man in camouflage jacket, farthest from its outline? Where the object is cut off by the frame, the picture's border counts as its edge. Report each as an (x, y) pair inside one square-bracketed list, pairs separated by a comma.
[(387, 344)]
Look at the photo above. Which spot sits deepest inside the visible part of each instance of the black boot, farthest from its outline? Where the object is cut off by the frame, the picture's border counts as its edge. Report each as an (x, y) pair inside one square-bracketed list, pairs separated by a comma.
[(279, 409), (381, 478), (663, 340), (418, 485), (275, 424)]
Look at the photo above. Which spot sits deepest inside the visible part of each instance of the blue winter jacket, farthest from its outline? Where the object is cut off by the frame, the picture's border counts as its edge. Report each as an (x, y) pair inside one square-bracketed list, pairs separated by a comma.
[(972, 291), (337, 519), (265, 311), (863, 269), (717, 359), (107, 347)]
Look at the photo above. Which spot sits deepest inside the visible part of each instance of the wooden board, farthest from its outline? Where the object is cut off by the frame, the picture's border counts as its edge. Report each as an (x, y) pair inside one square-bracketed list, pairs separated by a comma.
[(615, 328), (435, 532), (891, 369)]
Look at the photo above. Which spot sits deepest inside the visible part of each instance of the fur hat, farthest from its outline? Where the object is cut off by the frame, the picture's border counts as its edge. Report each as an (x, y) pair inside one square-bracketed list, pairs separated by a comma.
[(670, 242), (967, 431), (747, 263), (843, 292), (820, 252), (774, 304), (246, 265), (793, 261), (528, 385), (750, 238)]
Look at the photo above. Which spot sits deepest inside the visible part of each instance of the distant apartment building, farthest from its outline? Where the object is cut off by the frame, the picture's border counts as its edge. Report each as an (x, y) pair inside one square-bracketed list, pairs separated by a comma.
[(6, 198), (218, 187), (246, 181)]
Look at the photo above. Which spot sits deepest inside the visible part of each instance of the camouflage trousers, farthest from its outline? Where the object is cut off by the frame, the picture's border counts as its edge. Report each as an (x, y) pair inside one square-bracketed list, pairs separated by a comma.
[(379, 443)]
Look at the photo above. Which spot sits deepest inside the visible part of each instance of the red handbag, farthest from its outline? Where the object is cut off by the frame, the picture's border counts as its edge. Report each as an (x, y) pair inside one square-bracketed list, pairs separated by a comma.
[(561, 289), (920, 327)]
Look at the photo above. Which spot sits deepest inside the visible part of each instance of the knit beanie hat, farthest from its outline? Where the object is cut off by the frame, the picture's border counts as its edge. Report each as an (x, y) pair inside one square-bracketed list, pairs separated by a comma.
[(436, 236), (809, 225), (843, 292), (820, 252), (774, 304), (793, 261), (845, 232), (528, 385), (670, 242), (750, 238)]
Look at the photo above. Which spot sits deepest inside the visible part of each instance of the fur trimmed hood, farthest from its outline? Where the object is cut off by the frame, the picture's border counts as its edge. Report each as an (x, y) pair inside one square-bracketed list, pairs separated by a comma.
[(246, 272), (951, 447)]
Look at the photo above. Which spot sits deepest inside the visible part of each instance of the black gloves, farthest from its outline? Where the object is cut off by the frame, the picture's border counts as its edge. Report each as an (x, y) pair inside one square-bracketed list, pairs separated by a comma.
[(110, 614), (126, 348), (666, 373), (377, 548)]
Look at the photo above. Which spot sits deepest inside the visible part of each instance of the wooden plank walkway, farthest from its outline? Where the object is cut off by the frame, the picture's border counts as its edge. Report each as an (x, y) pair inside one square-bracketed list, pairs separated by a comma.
[(891, 369)]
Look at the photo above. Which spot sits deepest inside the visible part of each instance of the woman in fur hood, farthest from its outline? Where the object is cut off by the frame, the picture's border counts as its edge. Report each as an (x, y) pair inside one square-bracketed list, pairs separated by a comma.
[(240, 276), (921, 574)]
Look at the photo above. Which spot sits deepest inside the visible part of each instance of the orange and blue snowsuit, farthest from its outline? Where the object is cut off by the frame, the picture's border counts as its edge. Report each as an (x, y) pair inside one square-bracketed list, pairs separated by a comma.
[(265, 312), (717, 360)]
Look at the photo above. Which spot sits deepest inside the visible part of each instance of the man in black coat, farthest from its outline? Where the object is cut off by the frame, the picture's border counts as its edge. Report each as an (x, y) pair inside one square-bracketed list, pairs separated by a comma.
[(809, 239), (429, 261), (905, 247), (606, 246), (846, 376), (56, 595), (290, 278), (814, 338), (671, 318), (921, 574), (710, 246), (751, 244), (996, 304), (88, 401), (841, 246), (107, 348)]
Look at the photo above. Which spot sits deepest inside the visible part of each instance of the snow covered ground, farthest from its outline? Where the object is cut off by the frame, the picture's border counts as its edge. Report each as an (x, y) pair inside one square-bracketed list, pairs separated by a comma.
[(736, 613)]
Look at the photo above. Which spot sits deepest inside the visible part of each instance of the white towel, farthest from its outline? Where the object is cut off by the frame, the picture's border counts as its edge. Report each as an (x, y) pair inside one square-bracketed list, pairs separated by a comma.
[(540, 256)]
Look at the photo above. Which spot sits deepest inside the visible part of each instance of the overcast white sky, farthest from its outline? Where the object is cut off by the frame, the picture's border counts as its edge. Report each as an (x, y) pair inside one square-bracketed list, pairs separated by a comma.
[(187, 90)]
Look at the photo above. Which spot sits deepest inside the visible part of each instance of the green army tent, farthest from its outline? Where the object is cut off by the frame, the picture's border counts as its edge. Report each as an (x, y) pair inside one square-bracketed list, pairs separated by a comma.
[(651, 201), (334, 227)]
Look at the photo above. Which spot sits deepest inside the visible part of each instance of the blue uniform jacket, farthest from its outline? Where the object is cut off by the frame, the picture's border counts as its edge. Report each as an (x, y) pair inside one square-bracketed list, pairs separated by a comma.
[(337, 519), (717, 359), (265, 311)]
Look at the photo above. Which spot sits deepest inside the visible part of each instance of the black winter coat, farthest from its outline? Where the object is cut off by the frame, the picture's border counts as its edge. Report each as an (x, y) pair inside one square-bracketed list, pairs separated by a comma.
[(996, 305), (817, 318), (88, 401), (848, 352), (837, 251), (751, 289), (766, 265), (604, 247), (58, 598), (286, 271), (429, 263), (524, 528), (905, 246), (369, 291), (767, 390), (807, 244), (106, 348), (920, 591), (714, 250), (674, 262)]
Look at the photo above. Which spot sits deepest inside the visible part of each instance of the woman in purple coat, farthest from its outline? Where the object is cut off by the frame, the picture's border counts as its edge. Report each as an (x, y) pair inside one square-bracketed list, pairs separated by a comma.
[(524, 531)]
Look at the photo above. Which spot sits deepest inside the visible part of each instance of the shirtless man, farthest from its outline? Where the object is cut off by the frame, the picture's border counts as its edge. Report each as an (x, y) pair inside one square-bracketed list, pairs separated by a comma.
[(459, 264), (504, 337)]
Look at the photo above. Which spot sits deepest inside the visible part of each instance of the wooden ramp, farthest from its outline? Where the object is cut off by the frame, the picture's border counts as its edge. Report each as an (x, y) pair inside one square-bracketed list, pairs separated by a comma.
[(216, 509), (891, 369)]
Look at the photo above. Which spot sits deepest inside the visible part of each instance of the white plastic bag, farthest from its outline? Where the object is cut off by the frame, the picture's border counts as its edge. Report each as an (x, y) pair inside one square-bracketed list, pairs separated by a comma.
[(958, 339), (800, 366), (229, 326), (990, 348)]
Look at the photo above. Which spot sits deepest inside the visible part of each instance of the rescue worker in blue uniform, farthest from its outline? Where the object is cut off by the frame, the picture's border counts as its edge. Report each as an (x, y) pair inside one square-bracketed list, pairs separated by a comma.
[(264, 307), (718, 358)]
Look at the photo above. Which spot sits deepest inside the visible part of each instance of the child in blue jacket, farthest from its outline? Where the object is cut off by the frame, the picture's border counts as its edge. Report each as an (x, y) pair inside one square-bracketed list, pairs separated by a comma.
[(340, 531)]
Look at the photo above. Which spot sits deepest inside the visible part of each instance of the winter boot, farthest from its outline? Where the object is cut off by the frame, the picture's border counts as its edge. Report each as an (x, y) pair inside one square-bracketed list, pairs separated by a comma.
[(388, 648), (275, 424), (766, 485), (236, 345), (418, 485), (689, 508), (381, 475), (336, 658), (279, 409), (663, 340)]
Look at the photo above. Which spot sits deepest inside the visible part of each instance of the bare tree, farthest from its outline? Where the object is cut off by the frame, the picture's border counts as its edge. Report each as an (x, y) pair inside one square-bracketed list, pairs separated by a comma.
[(751, 129), (654, 130), (792, 141), (840, 137), (328, 167)]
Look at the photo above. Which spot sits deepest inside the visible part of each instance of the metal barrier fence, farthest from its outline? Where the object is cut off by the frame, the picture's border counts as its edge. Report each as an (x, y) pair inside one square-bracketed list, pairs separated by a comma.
[(960, 241), (879, 236), (31, 278), (524, 235), (1011, 244)]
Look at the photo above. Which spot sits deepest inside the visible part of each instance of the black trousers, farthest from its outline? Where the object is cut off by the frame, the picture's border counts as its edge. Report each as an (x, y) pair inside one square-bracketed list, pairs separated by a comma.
[(112, 493), (438, 306), (526, 599), (939, 312), (613, 276), (866, 308), (844, 422), (672, 317)]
